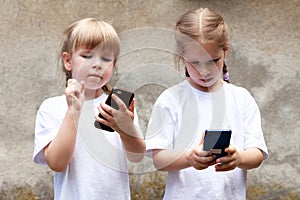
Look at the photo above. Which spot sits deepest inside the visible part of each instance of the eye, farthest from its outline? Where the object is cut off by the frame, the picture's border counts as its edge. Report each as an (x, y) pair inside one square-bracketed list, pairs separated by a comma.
[(106, 59), (194, 62), (87, 56), (212, 62), (215, 60)]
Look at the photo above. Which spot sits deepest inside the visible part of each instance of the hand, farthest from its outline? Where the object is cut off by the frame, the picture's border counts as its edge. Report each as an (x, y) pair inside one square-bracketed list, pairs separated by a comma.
[(200, 159), (229, 162), (75, 94), (120, 120)]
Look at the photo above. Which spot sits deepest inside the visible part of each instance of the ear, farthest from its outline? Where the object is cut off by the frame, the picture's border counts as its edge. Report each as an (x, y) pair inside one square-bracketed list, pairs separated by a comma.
[(66, 57)]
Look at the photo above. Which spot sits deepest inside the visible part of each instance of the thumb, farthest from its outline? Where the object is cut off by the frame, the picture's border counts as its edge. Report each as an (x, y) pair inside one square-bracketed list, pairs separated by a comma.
[(202, 139), (131, 106), (82, 83)]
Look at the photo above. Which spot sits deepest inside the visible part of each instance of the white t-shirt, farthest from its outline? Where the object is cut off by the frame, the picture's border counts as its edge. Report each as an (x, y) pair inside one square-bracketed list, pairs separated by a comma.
[(181, 115), (98, 168)]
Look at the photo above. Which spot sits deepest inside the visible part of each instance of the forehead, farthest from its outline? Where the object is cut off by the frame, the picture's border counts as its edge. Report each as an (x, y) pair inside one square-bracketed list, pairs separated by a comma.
[(201, 51), (98, 50)]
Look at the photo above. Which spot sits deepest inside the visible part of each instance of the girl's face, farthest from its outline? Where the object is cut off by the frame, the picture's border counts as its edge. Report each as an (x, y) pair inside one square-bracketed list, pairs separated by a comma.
[(204, 64), (95, 67)]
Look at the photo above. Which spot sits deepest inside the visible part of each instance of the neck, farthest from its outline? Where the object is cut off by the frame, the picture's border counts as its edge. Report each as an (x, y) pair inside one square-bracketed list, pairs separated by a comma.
[(212, 88), (92, 94)]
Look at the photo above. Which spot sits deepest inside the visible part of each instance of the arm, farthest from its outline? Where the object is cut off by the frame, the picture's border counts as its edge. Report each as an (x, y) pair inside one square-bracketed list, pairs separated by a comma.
[(169, 160), (59, 151), (121, 121), (250, 158), (134, 146), (245, 159), (254, 144)]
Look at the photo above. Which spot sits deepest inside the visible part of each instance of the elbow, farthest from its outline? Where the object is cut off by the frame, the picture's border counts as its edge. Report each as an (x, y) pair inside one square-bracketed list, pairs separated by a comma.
[(159, 165), (252, 158), (135, 158), (138, 155), (257, 163), (56, 166), (259, 159)]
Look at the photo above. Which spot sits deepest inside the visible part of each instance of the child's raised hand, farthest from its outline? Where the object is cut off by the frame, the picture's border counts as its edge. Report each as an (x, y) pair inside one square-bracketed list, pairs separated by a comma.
[(75, 94), (229, 162), (120, 120)]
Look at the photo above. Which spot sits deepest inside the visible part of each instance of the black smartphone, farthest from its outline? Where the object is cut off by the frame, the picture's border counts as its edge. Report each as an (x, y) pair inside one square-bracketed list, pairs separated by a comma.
[(125, 96), (216, 141)]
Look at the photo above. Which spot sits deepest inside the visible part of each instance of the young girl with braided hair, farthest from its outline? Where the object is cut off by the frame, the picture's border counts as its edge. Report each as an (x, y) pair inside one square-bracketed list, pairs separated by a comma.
[(205, 100)]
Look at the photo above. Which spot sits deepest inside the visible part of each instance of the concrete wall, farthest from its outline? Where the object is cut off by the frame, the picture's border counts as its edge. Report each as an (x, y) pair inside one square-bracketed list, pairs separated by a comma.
[(264, 59)]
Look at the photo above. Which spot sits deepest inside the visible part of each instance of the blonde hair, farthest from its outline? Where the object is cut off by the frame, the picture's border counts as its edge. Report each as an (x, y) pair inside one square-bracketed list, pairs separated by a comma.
[(89, 33), (204, 26)]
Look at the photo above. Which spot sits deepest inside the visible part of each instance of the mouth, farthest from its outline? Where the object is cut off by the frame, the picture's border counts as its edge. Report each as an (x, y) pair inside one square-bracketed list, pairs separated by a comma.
[(205, 80), (96, 75)]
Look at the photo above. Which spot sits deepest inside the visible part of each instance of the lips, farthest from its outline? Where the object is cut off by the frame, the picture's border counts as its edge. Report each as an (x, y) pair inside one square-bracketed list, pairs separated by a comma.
[(96, 75), (205, 80)]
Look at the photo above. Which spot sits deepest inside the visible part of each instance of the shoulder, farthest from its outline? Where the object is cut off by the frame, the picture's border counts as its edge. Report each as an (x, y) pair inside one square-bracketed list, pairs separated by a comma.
[(54, 100), (238, 91), (235, 88), (240, 96), (171, 96), (51, 103)]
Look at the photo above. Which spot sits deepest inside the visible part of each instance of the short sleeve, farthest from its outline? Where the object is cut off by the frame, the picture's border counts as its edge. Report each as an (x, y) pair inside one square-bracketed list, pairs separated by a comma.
[(161, 127), (252, 126), (46, 128)]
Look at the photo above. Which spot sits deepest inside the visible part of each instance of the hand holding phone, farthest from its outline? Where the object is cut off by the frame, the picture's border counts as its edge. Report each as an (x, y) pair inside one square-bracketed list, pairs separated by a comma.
[(216, 141), (125, 96)]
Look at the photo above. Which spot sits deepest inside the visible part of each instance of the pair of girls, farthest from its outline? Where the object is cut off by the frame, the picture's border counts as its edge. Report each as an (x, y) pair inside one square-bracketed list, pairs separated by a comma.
[(90, 163)]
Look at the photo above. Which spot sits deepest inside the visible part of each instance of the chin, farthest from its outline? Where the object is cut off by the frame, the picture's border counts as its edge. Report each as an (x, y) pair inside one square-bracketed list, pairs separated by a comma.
[(92, 87)]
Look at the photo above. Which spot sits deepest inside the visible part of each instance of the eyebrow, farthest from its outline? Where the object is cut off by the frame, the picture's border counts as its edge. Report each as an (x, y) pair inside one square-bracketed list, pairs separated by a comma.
[(84, 51), (196, 60)]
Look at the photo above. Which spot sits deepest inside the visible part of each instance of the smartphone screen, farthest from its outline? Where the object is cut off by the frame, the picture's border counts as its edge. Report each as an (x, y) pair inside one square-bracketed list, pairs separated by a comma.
[(125, 96), (216, 141)]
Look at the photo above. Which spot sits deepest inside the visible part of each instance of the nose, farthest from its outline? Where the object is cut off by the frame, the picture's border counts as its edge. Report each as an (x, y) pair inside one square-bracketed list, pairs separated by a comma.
[(96, 64), (203, 70)]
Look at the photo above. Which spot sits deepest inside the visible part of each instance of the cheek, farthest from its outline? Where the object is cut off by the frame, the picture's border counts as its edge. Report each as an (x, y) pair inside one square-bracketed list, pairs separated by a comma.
[(220, 66), (108, 73), (78, 68), (191, 70), (79, 73)]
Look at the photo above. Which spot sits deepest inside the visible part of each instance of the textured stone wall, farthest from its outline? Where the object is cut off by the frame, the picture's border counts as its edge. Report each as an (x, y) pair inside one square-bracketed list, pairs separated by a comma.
[(264, 59)]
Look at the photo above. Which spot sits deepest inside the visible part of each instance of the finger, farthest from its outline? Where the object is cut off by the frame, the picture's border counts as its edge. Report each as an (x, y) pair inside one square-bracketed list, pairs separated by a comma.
[(102, 120), (105, 111), (119, 102), (230, 149), (82, 84), (74, 88), (226, 160), (99, 119), (202, 139), (71, 81), (131, 106), (200, 152), (70, 84), (225, 166), (206, 159)]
